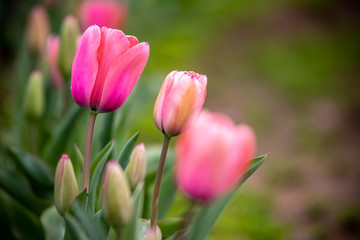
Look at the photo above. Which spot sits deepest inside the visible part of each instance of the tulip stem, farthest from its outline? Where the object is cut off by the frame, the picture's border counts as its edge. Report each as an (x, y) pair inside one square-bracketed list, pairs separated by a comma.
[(87, 155), (159, 173)]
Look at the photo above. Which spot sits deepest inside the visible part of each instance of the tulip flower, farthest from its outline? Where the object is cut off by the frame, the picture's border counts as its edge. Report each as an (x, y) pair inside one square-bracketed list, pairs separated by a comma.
[(106, 67), (37, 29), (180, 100), (66, 188), (212, 156), (116, 198), (53, 56), (111, 14), (137, 166)]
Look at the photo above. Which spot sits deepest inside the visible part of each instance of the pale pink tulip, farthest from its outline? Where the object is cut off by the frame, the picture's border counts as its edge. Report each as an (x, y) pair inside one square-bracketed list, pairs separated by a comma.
[(106, 67), (111, 13), (212, 157), (37, 29), (179, 102), (53, 56)]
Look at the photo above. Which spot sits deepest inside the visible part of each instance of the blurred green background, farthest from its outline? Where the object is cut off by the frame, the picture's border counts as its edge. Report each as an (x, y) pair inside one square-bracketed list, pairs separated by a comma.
[(288, 68)]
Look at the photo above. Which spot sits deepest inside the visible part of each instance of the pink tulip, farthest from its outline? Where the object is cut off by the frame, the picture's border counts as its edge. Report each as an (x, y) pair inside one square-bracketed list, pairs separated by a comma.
[(111, 14), (106, 67), (53, 56), (179, 102), (212, 157), (37, 29)]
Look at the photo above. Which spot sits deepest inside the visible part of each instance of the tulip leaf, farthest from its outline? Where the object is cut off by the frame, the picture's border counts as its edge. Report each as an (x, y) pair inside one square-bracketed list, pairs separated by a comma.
[(130, 232), (125, 153), (167, 194), (205, 218), (107, 130), (17, 187), (20, 222), (169, 226), (53, 223), (79, 158), (98, 166), (56, 146), (104, 152), (74, 230), (36, 170), (90, 224)]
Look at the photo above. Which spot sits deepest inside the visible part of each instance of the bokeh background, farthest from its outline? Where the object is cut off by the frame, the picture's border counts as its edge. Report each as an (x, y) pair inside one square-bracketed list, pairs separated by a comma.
[(289, 68)]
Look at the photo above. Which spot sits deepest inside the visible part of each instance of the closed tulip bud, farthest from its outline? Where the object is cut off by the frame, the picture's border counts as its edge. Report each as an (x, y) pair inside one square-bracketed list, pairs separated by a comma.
[(66, 188), (179, 102), (106, 67), (137, 167), (212, 157), (153, 234), (53, 57), (116, 198), (111, 13), (37, 29), (69, 35), (34, 96)]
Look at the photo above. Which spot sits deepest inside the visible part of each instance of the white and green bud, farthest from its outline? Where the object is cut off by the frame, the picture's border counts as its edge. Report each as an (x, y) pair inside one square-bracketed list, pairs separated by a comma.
[(116, 197), (69, 35), (136, 169), (66, 188), (34, 100)]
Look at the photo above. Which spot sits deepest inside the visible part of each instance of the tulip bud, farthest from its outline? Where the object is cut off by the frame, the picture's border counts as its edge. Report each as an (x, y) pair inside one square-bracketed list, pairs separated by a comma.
[(153, 234), (179, 102), (37, 29), (66, 188), (116, 198), (212, 157), (137, 167), (69, 35), (53, 59), (34, 96)]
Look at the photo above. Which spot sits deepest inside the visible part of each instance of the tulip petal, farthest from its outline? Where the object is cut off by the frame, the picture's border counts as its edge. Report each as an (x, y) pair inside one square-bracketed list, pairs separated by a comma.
[(132, 41), (112, 45), (122, 77), (85, 66), (186, 91), (164, 91)]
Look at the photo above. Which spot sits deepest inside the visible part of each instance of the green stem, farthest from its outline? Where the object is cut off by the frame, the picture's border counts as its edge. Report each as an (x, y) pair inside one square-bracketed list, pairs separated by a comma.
[(87, 155), (159, 173)]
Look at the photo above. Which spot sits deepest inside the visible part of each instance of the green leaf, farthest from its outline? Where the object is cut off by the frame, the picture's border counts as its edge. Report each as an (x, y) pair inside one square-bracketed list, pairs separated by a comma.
[(130, 231), (17, 187), (53, 223), (24, 224), (90, 224), (205, 218), (169, 226), (167, 194), (79, 158), (74, 230), (104, 152), (55, 147), (36, 170), (98, 166), (107, 130), (125, 153)]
